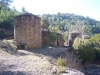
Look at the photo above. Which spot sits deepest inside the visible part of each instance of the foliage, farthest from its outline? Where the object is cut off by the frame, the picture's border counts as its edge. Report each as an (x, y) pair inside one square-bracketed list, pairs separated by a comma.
[(85, 49), (96, 41), (78, 42), (65, 36), (97, 52), (5, 3), (52, 36), (6, 18), (66, 22), (86, 53), (61, 70), (44, 24), (24, 10), (61, 63)]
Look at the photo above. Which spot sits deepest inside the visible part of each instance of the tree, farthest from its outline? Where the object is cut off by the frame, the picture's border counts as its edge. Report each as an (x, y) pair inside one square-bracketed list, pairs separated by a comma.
[(5, 3), (24, 10), (6, 17), (45, 24)]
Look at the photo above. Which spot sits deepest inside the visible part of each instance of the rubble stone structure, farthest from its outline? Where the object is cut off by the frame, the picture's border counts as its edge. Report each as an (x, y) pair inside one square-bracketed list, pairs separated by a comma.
[(27, 31), (46, 40), (72, 36)]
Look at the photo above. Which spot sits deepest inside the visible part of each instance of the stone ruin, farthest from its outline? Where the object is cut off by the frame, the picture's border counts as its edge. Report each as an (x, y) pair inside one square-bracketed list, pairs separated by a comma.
[(27, 31), (46, 40), (28, 34), (72, 36)]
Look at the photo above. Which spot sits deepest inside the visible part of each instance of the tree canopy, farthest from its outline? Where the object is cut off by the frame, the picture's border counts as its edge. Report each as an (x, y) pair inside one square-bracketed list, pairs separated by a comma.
[(5, 3), (65, 22)]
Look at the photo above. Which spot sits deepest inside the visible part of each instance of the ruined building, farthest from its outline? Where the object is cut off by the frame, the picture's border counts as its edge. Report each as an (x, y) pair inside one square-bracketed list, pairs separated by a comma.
[(72, 36), (27, 31), (46, 40)]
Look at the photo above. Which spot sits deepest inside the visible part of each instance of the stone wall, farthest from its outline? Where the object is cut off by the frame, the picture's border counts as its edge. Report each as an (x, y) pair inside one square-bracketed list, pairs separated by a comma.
[(27, 30), (60, 40), (46, 40), (72, 36)]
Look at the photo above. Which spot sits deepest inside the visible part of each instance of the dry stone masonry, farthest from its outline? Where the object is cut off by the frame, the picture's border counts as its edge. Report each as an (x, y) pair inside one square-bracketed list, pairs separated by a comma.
[(27, 31), (46, 40), (72, 36)]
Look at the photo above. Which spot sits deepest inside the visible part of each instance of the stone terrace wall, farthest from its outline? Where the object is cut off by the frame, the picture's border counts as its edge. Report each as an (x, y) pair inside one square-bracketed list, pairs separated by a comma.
[(27, 30)]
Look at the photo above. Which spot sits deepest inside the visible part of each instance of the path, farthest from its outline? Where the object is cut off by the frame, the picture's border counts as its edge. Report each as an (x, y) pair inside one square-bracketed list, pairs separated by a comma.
[(30, 62)]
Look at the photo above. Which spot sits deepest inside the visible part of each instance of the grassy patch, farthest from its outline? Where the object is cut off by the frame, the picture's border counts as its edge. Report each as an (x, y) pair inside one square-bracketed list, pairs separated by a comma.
[(61, 63), (53, 36)]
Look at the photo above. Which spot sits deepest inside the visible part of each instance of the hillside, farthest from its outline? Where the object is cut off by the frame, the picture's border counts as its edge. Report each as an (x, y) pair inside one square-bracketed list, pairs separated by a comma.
[(60, 22), (67, 22)]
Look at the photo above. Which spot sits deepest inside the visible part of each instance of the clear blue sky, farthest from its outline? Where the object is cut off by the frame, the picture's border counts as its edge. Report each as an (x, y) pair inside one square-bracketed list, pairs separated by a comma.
[(85, 8)]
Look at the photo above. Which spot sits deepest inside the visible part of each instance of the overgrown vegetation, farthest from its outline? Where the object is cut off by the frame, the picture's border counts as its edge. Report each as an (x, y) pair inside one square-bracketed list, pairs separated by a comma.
[(86, 53), (87, 49), (79, 42), (61, 63), (53, 36), (65, 22), (7, 17), (96, 41)]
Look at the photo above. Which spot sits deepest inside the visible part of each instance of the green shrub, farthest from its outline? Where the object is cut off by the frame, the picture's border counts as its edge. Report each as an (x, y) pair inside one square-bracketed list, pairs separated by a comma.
[(86, 53), (61, 63), (97, 53), (65, 36), (53, 36), (61, 70), (85, 49), (95, 38), (78, 42), (96, 41)]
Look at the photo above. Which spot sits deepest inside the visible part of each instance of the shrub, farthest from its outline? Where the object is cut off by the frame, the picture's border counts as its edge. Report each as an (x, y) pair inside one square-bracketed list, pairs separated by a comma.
[(85, 49), (86, 53), (61, 70), (78, 42), (53, 36), (61, 63), (97, 53), (65, 36), (95, 38), (96, 41)]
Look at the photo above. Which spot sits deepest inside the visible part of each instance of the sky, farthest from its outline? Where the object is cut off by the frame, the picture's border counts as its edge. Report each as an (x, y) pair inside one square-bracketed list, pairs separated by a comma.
[(85, 8)]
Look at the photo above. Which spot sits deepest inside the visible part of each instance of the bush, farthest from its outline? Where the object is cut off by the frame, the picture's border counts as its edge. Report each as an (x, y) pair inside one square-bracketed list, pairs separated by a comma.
[(95, 38), (53, 36), (61, 70), (97, 53), (86, 53), (78, 42), (65, 36), (96, 41), (61, 63), (85, 49)]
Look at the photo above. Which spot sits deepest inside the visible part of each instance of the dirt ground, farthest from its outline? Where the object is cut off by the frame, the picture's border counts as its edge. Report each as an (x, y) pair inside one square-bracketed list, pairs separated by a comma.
[(30, 62)]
